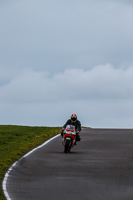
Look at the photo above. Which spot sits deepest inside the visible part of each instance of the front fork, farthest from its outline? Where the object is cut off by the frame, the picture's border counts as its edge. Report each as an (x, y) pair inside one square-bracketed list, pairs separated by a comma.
[(72, 142)]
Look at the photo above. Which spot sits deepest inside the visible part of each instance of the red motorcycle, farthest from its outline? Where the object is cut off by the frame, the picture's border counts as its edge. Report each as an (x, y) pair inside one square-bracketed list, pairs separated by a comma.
[(69, 138)]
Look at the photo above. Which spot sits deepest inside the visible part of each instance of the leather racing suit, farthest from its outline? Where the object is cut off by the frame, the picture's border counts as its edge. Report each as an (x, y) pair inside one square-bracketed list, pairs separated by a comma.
[(77, 125)]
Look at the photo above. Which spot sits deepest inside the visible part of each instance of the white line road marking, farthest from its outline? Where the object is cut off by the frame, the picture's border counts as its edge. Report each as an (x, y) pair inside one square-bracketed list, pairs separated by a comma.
[(4, 183)]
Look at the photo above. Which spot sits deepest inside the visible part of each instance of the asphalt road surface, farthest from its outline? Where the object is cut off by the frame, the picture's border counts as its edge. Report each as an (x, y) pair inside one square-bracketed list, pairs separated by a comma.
[(99, 167)]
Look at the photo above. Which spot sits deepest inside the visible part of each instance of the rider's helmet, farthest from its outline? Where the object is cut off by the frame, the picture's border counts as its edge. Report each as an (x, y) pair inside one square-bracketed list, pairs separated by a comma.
[(74, 117)]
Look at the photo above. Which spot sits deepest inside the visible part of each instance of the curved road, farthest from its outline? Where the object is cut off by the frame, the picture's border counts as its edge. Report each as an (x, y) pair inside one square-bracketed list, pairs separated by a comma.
[(100, 167)]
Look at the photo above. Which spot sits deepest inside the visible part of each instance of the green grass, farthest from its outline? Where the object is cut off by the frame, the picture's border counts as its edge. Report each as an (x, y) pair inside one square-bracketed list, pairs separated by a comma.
[(15, 141)]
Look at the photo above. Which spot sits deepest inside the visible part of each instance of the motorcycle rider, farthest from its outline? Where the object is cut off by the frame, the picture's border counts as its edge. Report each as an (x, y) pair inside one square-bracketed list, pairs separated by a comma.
[(75, 122)]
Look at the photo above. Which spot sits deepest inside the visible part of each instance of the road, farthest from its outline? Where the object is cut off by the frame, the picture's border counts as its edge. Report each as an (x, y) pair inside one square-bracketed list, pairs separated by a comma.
[(99, 167)]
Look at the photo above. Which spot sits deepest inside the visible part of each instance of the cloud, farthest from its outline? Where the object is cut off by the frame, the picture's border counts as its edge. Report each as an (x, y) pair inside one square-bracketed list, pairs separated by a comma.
[(102, 81), (54, 35), (53, 61), (102, 97)]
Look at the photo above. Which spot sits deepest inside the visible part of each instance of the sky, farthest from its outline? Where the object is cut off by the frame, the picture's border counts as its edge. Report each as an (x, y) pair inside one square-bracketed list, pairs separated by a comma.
[(62, 57)]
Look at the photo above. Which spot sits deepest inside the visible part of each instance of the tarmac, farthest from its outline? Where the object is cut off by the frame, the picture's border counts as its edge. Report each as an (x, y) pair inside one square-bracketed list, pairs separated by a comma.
[(99, 167)]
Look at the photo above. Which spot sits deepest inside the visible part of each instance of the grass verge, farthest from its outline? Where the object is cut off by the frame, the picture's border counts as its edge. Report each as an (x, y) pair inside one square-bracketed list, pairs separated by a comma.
[(15, 141)]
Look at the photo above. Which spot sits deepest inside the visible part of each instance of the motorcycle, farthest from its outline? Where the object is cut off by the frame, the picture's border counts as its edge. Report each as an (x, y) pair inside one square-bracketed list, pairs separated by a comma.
[(69, 138)]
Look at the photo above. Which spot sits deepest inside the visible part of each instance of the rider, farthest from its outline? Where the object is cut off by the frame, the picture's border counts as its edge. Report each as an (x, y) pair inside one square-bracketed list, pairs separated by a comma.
[(73, 121)]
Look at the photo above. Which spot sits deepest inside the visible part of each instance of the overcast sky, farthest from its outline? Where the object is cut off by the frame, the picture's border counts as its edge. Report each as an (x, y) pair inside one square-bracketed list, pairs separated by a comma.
[(62, 57)]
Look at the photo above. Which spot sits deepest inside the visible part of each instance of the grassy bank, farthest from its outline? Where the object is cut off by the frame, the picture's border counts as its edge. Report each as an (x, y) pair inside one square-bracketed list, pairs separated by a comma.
[(15, 141)]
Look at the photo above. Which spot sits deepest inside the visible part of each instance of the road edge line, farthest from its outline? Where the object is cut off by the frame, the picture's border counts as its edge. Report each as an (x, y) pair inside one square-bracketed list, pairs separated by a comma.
[(4, 182)]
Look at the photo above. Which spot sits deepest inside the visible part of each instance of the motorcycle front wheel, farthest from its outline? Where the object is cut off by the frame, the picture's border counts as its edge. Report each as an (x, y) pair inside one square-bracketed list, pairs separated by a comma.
[(66, 146)]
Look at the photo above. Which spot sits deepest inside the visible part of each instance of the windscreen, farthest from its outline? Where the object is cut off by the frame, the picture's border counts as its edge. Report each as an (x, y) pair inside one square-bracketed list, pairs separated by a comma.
[(70, 127)]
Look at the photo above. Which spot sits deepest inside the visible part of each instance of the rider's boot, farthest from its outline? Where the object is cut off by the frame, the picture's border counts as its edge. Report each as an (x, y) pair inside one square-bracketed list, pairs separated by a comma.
[(78, 137)]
